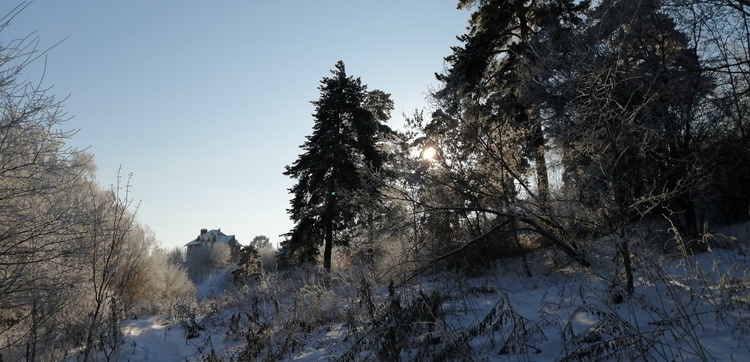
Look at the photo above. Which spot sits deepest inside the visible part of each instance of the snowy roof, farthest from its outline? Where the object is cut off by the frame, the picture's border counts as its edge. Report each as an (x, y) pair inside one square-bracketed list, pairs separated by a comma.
[(214, 236)]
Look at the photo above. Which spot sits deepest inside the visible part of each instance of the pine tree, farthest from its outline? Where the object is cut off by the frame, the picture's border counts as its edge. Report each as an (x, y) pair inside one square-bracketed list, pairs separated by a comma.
[(491, 74), (341, 157), (489, 128)]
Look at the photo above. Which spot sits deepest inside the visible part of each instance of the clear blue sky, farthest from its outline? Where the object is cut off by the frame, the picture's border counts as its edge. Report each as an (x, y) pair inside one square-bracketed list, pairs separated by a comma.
[(205, 102)]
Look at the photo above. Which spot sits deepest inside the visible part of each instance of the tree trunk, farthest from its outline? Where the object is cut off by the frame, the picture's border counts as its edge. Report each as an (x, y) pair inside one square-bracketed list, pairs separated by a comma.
[(542, 178), (691, 221), (328, 246), (626, 262), (522, 249), (31, 343)]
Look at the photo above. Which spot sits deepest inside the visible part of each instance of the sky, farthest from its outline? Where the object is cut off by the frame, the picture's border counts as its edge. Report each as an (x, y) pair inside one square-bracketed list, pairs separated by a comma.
[(205, 102)]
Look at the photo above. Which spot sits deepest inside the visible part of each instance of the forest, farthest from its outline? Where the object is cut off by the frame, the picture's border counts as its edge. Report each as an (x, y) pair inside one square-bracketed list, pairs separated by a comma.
[(577, 188)]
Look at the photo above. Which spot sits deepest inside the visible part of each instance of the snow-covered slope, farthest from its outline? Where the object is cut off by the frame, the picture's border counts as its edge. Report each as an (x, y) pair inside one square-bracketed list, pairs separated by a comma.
[(683, 309)]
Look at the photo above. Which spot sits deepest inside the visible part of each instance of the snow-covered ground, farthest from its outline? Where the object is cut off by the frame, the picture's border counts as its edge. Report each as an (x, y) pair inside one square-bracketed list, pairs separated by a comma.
[(694, 308), (153, 339), (165, 338), (159, 338)]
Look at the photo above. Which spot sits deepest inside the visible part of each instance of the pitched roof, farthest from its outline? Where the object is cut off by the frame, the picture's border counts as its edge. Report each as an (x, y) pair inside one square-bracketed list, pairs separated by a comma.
[(213, 235)]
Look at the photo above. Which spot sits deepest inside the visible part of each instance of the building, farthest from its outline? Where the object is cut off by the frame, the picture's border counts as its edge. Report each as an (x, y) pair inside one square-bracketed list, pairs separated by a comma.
[(211, 237)]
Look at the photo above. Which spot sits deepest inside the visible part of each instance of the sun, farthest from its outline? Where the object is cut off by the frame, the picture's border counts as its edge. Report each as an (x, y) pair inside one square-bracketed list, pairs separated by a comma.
[(429, 153)]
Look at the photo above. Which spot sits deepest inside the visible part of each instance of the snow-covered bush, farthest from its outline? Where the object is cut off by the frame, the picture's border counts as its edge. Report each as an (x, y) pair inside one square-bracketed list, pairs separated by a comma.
[(164, 283)]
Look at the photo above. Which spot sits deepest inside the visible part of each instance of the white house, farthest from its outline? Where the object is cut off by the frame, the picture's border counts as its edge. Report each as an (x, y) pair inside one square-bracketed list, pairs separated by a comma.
[(209, 237)]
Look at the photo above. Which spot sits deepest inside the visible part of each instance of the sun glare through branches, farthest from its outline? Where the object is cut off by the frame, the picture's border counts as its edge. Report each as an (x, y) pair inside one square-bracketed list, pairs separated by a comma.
[(428, 153)]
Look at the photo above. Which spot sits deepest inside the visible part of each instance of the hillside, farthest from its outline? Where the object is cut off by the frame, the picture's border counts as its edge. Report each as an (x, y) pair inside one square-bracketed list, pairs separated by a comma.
[(684, 308)]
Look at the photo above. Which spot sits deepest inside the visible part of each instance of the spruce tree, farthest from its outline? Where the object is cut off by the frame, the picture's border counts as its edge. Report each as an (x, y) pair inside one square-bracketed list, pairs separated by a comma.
[(339, 161)]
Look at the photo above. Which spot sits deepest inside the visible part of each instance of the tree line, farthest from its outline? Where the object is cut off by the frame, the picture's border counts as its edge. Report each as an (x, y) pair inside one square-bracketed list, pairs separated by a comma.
[(74, 261), (555, 121)]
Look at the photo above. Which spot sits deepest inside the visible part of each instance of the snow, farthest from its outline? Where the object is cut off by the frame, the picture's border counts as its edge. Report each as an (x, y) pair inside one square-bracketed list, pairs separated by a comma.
[(160, 338), (154, 339), (685, 308), (215, 235), (218, 282)]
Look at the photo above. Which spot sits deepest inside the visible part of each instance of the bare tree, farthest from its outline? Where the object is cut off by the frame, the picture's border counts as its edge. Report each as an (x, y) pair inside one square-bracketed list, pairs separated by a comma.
[(71, 254), (720, 32), (261, 242), (107, 239), (40, 181)]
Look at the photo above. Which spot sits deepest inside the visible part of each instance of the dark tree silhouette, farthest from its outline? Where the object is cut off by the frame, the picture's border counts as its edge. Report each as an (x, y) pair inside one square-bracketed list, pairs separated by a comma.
[(339, 163)]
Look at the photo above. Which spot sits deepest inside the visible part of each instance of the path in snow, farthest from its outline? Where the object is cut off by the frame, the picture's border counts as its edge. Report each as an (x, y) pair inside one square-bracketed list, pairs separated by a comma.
[(153, 339)]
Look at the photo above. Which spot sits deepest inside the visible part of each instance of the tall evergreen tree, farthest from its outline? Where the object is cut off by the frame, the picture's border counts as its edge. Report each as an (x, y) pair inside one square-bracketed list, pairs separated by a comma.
[(491, 74), (489, 127), (341, 157)]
